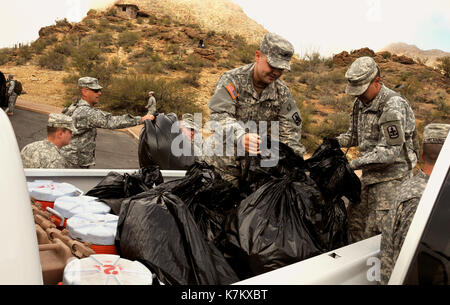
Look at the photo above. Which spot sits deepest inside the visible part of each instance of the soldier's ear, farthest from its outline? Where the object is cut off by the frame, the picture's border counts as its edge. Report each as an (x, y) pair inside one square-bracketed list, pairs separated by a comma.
[(258, 55)]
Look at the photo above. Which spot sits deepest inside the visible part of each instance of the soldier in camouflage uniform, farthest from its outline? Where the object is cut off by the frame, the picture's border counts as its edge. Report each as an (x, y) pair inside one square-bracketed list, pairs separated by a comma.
[(12, 96), (46, 153), (399, 218), (81, 151), (382, 125), (151, 105), (256, 93)]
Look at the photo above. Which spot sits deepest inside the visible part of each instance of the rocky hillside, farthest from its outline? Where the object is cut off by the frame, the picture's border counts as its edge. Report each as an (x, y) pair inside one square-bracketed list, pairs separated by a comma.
[(428, 57), (222, 16), (160, 52)]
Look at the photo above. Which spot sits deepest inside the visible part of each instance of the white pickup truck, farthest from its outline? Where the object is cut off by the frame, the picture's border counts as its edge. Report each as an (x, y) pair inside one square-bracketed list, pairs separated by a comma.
[(426, 246)]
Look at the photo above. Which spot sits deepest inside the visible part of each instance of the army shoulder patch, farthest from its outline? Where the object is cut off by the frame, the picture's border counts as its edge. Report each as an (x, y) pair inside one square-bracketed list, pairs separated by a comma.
[(297, 119), (232, 91), (392, 132)]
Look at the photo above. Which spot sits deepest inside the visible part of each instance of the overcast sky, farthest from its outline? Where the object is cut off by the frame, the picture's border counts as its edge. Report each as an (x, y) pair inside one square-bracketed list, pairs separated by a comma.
[(326, 26)]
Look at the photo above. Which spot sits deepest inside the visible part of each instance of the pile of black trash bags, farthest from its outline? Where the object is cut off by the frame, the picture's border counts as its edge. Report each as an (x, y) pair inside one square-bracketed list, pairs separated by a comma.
[(200, 230)]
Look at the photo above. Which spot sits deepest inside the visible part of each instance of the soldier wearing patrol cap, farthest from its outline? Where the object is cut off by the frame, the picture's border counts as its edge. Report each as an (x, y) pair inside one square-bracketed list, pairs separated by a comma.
[(188, 126), (408, 197), (256, 93), (46, 153), (382, 125), (151, 105), (81, 151)]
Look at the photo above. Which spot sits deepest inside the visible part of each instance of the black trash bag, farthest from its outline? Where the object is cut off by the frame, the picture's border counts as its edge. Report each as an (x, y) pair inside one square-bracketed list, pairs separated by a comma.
[(330, 169), (155, 142), (209, 198), (276, 225), (255, 175), (115, 187), (157, 229), (3, 99)]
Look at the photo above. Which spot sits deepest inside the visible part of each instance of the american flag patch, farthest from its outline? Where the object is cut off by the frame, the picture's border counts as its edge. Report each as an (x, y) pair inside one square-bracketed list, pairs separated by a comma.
[(232, 91)]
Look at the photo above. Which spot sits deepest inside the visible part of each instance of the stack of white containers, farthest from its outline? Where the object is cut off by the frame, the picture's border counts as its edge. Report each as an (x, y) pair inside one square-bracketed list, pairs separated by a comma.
[(88, 220)]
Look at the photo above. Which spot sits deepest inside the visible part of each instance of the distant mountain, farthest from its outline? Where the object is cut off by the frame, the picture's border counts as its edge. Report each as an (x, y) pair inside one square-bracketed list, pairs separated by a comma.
[(428, 57)]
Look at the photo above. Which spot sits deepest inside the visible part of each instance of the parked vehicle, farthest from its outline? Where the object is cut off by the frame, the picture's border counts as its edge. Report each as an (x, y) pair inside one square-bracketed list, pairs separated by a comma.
[(425, 248)]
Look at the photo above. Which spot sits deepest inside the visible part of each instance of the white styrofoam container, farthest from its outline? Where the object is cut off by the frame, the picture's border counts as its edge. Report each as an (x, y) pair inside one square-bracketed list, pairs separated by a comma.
[(47, 190), (98, 229), (106, 269), (69, 206)]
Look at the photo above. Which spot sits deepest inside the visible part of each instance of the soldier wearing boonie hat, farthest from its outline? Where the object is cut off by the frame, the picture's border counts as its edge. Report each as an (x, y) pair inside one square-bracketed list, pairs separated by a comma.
[(255, 93), (382, 125), (86, 119), (47, 153), (399, 218)]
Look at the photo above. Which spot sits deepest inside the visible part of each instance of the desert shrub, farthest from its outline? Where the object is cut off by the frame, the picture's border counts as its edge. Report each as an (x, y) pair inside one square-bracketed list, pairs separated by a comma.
[(24, 54), (129, 95), (64, 48), (39, 45), (333, 125), (174, 64), (191, 80), (128, 39), (444, 65), (111, 12), (5, 55), (52, 60), (62, 22), (102, 39)]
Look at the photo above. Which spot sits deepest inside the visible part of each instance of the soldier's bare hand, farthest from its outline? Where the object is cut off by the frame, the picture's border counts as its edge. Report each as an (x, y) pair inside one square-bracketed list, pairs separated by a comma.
[(148, 117), (250, 142)]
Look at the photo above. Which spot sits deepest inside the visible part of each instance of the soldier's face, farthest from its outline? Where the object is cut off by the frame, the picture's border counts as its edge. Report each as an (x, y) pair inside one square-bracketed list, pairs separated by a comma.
[(91, 96), (264, 73), (66, 137), (371, 92)]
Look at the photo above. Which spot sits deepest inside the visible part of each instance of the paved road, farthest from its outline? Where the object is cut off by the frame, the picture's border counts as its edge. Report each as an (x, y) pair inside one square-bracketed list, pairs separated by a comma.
[(115, 149)]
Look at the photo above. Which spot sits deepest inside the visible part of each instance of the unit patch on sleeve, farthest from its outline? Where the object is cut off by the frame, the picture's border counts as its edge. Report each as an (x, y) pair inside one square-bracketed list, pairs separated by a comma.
[(393, 131), (297, 119), (232, 91)]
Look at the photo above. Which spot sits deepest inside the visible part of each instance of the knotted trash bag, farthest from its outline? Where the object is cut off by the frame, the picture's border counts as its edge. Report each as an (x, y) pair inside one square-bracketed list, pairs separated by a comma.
[(329, 168), (331, 171), (209, 198), (157, 229), (276, 160), (276, 224), (155, 144), (115, 187)]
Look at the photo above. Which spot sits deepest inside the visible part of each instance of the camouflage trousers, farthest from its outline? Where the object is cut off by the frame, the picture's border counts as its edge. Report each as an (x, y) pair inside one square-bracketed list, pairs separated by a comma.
[(11, 102), (366, 218)]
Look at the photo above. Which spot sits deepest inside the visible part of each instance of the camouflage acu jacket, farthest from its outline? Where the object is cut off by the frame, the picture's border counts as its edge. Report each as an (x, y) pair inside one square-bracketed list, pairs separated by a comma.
[(81, 150), (384, 139), (42, 154), (398, 220), (235, 100)]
